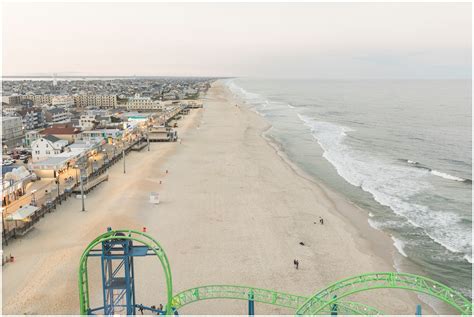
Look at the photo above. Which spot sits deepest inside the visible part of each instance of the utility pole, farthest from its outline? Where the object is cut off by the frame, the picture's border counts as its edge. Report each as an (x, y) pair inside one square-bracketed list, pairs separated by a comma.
[(148, 141)]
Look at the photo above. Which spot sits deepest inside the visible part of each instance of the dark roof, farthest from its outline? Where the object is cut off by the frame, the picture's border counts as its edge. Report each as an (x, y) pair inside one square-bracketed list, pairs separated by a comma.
[(60, 130), (51, 138), (7, 169), (56, 110), (23, 112)]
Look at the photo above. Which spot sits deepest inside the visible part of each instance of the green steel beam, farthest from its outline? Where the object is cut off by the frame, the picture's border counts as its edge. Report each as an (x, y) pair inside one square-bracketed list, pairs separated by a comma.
[(262, 296), (360, 283), (319, 303)]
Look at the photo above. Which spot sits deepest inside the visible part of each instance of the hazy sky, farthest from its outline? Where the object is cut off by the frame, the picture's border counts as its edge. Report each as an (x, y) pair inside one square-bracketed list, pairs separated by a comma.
[(305, 40)]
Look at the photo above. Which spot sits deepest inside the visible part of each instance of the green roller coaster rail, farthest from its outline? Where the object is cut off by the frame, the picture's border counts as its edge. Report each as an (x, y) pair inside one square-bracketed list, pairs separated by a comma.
[(326, 297), (262, 296), (320, 303), (137, 236)]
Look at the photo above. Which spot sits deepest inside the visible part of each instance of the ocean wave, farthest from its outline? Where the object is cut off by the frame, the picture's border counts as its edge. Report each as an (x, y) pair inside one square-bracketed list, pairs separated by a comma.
[(399, 245), (438, 173), (450, 177), (390, 185)]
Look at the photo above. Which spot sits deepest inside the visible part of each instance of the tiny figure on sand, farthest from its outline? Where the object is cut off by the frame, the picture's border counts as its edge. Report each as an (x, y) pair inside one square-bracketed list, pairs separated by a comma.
[(321, 220), (296, 263)]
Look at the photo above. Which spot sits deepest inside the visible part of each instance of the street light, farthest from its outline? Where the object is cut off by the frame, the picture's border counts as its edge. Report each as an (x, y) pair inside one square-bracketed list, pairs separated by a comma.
[(3, 226), (82, 191), (123, 155), (57, 182), (33, 198)]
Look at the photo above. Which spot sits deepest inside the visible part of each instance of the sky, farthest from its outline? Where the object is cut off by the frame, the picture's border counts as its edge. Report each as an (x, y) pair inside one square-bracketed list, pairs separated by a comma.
[(265, 40)]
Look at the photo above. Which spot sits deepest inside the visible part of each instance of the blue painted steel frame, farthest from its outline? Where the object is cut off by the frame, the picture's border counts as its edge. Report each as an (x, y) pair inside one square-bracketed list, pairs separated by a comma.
[(119, 277)]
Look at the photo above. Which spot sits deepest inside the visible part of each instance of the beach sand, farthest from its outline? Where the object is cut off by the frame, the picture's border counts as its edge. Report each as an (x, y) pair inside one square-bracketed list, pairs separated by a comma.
[(232, 211)]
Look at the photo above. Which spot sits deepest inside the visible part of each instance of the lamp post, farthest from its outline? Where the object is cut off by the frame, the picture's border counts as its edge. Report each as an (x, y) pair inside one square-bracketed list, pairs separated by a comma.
[(82, 191), (33, 198), (148, 141), (3, 226), (123, 155), (57, 182)]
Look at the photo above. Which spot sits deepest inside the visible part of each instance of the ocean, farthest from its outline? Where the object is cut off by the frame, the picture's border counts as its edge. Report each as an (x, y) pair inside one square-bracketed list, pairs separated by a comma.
[(399, 149)]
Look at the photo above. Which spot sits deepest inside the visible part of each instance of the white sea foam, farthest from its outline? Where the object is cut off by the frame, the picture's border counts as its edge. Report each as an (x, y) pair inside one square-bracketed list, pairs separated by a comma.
[(291, 107), (399, 245), (391, 185), (447, 176)]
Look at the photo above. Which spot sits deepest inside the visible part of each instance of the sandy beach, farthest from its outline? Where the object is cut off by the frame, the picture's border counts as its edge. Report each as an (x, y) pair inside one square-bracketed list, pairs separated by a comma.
[(232, 211)]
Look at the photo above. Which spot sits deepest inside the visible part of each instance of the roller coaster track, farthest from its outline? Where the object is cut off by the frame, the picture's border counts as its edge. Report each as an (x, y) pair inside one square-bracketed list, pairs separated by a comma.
[(137, 236), (262, 296), (323, 302), (335, 292)]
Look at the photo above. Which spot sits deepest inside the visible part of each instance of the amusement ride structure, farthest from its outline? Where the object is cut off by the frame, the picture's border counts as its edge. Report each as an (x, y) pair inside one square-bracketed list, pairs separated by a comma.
[(117, 250)]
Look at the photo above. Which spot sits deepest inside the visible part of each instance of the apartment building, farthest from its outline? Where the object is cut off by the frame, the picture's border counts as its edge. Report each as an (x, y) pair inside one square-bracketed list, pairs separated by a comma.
[(12, 130), (32, 118), (101, 101), (138, 103), (57, 115), (62, 101)]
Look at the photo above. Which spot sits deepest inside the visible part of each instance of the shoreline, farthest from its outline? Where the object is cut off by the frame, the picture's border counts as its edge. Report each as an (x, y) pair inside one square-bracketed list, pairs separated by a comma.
[(231, 211), (382, 243)]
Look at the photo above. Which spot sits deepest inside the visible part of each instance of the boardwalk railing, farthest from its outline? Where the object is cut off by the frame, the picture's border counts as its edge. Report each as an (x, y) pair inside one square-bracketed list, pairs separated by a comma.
[(17, 229)]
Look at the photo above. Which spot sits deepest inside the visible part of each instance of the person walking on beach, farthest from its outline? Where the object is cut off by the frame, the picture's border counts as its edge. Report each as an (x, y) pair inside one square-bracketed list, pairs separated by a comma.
[(296, 263), (321, 220)]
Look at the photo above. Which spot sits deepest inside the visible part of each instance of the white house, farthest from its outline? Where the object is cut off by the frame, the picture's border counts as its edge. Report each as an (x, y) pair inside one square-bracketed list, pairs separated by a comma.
[(46, 147)]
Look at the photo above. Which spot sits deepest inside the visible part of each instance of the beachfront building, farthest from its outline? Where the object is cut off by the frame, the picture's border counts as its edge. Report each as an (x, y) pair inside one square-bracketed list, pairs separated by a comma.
[(12, 130), (14, 181), (63, 131), (138, 103), (47, 146), (57, 164), (109, 135)]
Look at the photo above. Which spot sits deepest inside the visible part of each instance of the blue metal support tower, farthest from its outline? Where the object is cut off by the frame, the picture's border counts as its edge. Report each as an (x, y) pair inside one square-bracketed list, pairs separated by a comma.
[(251, 303), (418, 310), (118, 277)]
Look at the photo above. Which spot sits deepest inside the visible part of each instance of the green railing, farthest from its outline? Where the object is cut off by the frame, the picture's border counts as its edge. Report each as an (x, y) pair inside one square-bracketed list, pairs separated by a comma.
[(335, 292), (320, 303)]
